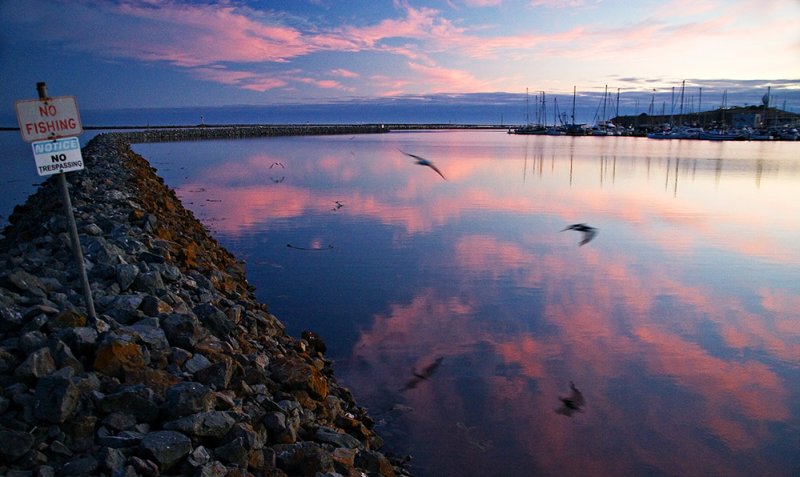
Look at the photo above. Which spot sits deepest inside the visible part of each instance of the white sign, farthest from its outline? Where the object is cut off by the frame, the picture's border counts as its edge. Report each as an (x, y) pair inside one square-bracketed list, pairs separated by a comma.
[(49, 118), (57, 155)]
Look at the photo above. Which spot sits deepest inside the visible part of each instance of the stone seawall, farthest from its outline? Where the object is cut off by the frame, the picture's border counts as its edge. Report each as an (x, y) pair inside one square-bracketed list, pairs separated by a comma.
[(239, 132), (182, 373)]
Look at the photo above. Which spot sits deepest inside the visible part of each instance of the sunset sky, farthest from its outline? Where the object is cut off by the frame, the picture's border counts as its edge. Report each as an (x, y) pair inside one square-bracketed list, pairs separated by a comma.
[(176, 53)]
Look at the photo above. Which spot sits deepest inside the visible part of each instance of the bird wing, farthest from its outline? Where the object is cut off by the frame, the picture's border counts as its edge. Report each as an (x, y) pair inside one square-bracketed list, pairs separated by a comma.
[(413, 155), (588, 235), (436, 169), (576, 396), (424, 162)]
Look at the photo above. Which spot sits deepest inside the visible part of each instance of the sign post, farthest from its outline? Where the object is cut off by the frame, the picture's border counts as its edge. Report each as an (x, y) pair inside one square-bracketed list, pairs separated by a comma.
[(49, 123)]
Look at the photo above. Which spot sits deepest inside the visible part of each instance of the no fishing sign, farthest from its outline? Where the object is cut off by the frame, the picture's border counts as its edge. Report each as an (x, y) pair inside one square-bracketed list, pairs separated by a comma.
[(58, 155), (51, 124)]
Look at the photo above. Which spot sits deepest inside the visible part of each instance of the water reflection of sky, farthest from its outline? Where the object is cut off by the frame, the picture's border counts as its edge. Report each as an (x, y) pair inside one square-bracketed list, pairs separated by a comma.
[(680, 321)]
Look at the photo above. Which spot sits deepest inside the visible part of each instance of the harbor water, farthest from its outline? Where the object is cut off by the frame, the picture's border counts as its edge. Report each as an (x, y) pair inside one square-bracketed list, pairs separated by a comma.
[(485, 339)]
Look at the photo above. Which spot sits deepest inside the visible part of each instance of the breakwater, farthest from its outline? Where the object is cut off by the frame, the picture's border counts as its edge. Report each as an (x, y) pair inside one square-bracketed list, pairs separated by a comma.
[(183, 372), (240, 132)]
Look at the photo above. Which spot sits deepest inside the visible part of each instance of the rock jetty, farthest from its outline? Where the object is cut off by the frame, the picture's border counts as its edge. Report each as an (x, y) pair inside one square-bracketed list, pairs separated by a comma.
[(166, 134), (182, 372)]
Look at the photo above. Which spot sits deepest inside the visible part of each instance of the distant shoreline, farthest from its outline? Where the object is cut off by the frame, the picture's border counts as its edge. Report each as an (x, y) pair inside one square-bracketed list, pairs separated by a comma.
[(401, 126)]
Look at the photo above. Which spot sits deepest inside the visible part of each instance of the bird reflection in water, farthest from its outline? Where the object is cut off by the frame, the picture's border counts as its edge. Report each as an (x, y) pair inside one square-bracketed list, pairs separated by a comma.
[(424, 162), (424, 375), (275, 179), (572, 403), (588, 232)]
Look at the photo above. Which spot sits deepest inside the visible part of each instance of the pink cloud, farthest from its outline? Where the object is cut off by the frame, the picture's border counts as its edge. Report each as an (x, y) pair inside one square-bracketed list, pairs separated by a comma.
[(482, 3), (195, 35), (343, 73), (444, 80)]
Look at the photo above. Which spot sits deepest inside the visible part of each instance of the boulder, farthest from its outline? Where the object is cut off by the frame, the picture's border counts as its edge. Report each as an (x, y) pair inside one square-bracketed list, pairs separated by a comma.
[(165, 448)]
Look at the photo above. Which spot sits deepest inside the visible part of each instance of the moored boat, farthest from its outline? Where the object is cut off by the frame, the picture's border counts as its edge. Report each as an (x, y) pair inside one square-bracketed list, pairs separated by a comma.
[(718, 135)]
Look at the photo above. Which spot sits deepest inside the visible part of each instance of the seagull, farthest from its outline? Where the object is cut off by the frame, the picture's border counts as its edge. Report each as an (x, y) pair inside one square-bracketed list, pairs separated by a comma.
[(573, 403), (424, 162), (588, 232)]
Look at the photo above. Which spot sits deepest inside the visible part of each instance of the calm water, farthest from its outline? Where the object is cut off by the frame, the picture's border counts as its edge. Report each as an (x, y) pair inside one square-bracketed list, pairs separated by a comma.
[(679, 322)]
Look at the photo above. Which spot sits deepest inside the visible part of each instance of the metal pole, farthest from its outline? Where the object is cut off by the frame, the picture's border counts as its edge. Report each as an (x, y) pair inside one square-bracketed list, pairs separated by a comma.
[(41, 88)]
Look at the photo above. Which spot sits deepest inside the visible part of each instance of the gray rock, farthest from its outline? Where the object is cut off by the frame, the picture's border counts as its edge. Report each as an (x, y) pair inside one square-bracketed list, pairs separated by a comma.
[(56, 398), (153, 306), (31, 341), (252, 440), (203, 424), (99, 250), (283, 429), (142, 468), (24, 282), (151, 334), (119, 421), (80, 339), (64, 357), (38, 364), (196, 363), (92, 229), (15, 444), (216, 321), (199, 456), (126, 273), (124, 308), (149, 282), (39, 309), (212, 469), (10, 319), (336, 438), (44, 471), (150, 257), (79, 467), (166, 448), (186, 398), (135, 400), (234, 452), (304, 458), (182, 330), (111, 459), (7, 360), (217, 376)]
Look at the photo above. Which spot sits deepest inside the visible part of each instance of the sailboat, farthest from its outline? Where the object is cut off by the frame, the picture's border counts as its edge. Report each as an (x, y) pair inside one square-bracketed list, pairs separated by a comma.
[(574, 129), (555, 131), (529, 128)]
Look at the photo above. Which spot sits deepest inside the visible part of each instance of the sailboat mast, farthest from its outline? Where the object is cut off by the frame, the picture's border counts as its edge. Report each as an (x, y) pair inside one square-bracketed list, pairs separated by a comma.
[(543, 114), (527, 108), (573, 104), (605, 98)]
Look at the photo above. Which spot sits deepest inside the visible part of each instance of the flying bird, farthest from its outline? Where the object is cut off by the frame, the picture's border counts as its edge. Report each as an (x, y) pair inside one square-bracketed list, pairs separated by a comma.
[(572, 403), (588, 232), (424, 162), (423, 375)]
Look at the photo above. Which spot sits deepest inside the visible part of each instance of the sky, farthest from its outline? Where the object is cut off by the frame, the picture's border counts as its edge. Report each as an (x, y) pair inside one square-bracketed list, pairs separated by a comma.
[(181, 53)]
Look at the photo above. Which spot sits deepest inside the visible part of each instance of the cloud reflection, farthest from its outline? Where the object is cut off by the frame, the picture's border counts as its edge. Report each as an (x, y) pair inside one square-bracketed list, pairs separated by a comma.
[(681, 354)]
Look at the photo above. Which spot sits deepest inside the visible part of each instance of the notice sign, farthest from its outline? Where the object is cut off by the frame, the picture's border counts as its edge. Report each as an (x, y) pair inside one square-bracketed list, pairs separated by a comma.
[(48, 118), (58, 155)]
